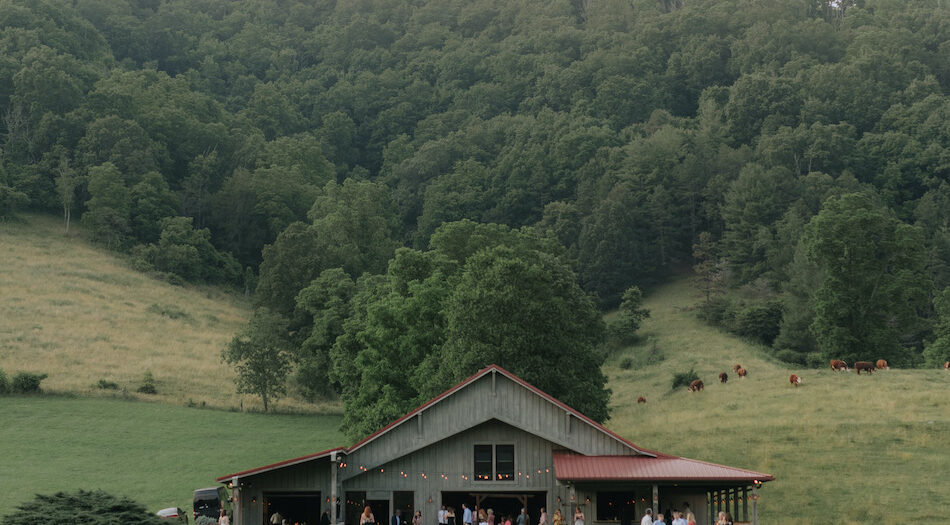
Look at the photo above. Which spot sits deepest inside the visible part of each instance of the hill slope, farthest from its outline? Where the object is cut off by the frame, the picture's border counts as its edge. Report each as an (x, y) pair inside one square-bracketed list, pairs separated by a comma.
[(80, 314), (859, 448)]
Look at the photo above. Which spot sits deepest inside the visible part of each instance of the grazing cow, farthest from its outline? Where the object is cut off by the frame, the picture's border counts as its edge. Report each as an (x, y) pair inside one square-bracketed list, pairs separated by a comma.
[(863, 365), (723, 377), (946, 366), (794, 380), (742, 372), (641, 399), (736, 367), (696, 385), (837, 364), (882, 365)]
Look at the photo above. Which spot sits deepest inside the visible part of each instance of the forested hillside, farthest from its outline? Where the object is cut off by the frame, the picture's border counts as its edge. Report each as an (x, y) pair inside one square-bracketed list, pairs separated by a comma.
[(796, 153)]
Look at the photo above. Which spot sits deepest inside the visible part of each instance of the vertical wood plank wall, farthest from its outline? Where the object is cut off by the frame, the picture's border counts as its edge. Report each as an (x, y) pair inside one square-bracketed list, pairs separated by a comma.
[(439, 441)]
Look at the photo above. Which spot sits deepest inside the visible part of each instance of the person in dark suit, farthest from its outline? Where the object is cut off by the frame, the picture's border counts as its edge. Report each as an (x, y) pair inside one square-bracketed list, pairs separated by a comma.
[(397, 518), (325, 518)]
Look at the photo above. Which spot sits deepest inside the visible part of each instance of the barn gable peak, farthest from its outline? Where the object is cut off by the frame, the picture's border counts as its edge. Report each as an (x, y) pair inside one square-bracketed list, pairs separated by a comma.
[(495, 393)]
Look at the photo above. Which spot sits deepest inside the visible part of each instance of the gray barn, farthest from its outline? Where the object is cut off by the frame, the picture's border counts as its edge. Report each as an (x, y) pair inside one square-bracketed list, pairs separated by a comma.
[(492, 441)]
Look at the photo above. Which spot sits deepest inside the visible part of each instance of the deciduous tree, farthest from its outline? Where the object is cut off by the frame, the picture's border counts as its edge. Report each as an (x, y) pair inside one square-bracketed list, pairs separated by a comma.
[(261, 356)]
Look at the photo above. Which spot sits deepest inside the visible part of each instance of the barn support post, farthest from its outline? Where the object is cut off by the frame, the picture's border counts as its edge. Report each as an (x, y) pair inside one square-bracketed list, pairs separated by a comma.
[(656, 500), (334, 472), (710, 498), (755, 501), (236, 498), (745, 504), (735, 502)]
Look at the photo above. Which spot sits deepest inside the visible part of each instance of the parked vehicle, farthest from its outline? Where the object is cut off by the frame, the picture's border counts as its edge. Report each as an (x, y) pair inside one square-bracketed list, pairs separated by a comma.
[(173, 513), (209, 502)]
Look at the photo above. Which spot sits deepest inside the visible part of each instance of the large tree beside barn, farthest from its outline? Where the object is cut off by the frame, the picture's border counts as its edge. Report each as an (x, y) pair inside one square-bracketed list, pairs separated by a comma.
[(482, 294)]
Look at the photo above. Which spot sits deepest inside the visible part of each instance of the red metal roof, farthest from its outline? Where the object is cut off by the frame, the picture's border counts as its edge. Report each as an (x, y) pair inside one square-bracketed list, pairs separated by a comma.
[(663, 467)]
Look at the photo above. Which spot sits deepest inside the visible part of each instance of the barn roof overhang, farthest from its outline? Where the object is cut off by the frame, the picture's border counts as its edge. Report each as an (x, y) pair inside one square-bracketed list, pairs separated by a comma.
[(281, 464), (572, 467)]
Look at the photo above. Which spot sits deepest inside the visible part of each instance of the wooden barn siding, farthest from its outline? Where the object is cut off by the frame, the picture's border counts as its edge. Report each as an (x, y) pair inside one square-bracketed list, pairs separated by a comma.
[(446, 443), (454, 457), (311, 476), (474, 404)]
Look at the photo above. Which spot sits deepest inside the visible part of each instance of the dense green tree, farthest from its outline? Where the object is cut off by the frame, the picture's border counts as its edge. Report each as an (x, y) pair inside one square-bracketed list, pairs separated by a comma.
[(613, 248), (187, 252), (123, 143), (754, 202), (10, 198), (262, 356), (327, 304), (873, 286), (938, 352), (630, 314), (107, 211), (401, 340), (151, 202), (525, 312)]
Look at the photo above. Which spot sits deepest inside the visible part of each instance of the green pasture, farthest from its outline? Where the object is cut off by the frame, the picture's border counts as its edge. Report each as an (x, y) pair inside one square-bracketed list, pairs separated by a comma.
[(843, 448), (154, 453)]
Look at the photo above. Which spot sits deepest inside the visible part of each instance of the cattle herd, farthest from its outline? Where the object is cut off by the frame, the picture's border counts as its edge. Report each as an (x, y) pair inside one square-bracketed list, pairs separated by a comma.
[(795, 380), (867, 366)]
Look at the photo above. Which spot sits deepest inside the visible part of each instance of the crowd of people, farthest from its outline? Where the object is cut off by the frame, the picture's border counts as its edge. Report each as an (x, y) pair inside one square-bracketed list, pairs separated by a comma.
[(477, 516), (682, 518)]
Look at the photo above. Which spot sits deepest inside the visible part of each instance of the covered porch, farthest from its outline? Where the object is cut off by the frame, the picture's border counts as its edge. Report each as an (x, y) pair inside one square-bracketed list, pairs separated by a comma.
[(619, 489)]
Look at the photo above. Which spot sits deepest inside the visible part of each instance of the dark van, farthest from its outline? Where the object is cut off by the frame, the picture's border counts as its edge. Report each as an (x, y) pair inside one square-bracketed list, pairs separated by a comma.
[(210, 501)]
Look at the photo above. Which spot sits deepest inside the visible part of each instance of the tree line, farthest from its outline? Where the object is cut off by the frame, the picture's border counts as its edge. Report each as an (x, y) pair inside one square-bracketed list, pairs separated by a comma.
[(793, 152)]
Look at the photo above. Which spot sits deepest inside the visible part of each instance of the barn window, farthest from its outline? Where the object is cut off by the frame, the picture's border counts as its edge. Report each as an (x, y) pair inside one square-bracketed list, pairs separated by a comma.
[(504, 462), (483, 457)]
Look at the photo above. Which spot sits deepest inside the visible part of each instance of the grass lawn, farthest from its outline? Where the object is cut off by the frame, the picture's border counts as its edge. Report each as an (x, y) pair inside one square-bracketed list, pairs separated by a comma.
[(843, 448), (154, 453)]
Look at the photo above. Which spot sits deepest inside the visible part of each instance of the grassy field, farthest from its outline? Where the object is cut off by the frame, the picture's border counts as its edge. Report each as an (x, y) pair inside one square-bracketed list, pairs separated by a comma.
[(81, 314), (154, 453), (844, 448)]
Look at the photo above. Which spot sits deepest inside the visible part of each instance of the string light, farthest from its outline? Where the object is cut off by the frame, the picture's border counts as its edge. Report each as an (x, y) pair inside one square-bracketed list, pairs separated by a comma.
[(450, 475)]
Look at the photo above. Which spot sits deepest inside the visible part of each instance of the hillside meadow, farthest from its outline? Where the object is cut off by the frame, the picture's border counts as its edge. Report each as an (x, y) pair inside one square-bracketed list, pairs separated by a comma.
[(843, 448), (81, 314), (154, 453)]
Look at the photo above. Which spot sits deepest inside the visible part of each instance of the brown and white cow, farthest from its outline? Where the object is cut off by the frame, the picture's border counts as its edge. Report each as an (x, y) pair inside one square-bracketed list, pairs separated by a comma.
[(641, 399), (742, 372), (696, 385), (837, 364), (723, 377), (863, 365), (794, 380), (946, 366), (736, 367), (882, 365)]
